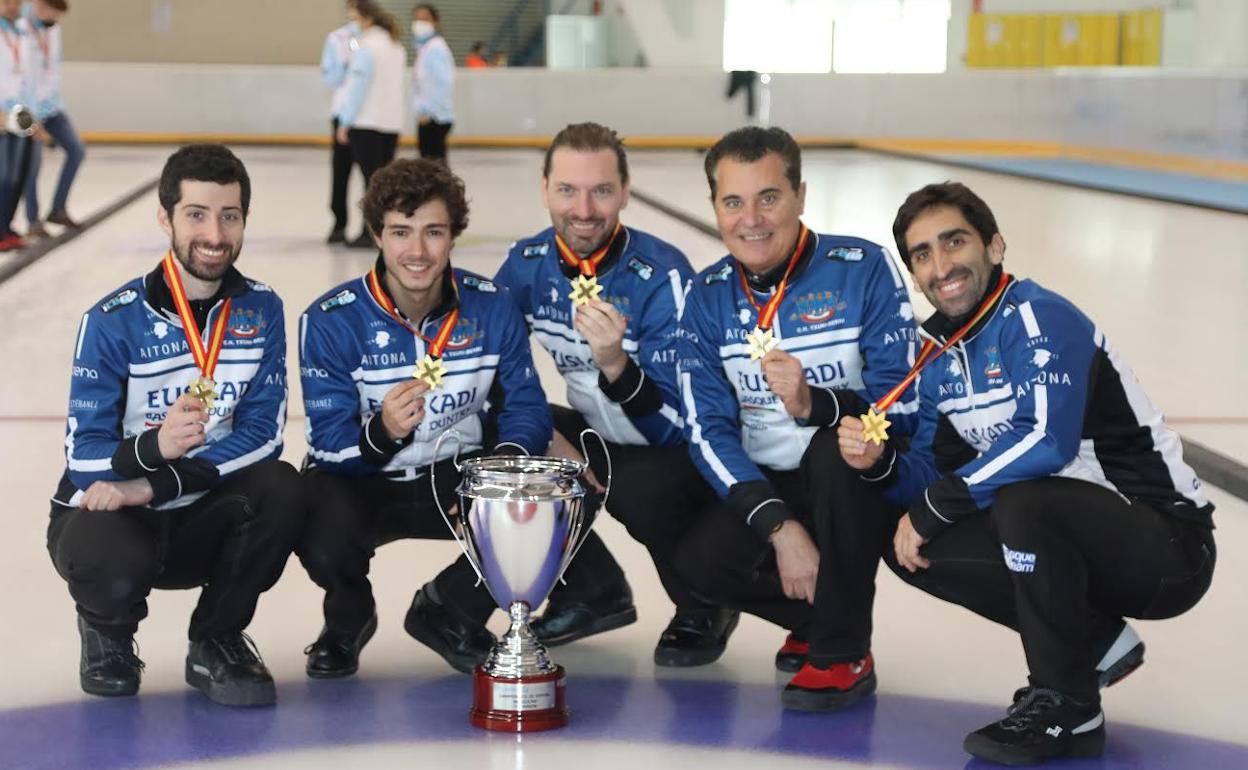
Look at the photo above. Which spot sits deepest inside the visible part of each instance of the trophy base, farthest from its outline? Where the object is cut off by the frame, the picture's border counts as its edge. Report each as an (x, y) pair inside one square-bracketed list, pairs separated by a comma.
[(526, 705)]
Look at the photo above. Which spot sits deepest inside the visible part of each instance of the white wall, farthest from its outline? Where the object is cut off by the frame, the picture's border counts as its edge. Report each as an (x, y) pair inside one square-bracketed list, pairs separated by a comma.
[(1150, 110)]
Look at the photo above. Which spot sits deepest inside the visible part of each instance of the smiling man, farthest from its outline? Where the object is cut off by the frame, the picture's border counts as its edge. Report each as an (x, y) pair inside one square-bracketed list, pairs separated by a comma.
[(176, 411), (1057, 502), (389, 362), (780, 340), (603, 299)]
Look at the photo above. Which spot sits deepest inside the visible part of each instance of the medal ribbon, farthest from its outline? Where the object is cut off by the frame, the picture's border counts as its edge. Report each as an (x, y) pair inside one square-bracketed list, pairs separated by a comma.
[(587, 265), (925, 356), (439, 341), (767, 313), (206, 360)]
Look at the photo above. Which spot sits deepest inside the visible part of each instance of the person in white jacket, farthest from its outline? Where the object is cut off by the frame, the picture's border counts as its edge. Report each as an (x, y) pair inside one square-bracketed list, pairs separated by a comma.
[(371, 116), (433, 83)]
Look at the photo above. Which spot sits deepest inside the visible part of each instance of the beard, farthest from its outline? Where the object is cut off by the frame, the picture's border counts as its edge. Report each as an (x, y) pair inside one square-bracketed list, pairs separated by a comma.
[(205, 271)]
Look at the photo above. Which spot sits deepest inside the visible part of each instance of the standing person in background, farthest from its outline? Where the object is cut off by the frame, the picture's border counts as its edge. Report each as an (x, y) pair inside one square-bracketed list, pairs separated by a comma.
[(371, 116), (335, 61), (40, 23), (475, 60), (433, 84), (15, 89)]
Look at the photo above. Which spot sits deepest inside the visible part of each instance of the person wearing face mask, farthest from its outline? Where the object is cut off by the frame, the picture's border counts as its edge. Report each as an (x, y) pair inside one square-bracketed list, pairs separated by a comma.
[(41, 23), (335, 63), (16, 88), (371, 116), (433, 84)]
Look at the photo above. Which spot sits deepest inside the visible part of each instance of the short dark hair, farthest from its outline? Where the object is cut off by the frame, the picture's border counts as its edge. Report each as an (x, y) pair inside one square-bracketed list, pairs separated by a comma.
[(58, 5), (750, 144), (202, 163), (432, 9), (409, 183), (588, 137), (954, 194)]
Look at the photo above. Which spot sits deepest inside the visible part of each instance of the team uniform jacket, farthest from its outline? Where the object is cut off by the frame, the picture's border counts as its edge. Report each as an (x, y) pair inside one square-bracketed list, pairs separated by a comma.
[(846, 315), (352, 352), (645, 279), (132, 362), (1034, 390)]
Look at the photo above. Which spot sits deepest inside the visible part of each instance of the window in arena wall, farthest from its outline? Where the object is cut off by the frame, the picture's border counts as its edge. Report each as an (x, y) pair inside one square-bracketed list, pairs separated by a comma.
[(820, 36)]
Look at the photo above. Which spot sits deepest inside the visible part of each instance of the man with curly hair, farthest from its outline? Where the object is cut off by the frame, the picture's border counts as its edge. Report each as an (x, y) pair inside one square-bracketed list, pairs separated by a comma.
[(389, 361)]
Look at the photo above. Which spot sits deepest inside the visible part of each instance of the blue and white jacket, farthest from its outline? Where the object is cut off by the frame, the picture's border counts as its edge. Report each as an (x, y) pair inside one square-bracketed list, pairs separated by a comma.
[(1034, 390), (45, 61), (17, 84), (131, 364), (352, 352), (846, 315), (645, 279)]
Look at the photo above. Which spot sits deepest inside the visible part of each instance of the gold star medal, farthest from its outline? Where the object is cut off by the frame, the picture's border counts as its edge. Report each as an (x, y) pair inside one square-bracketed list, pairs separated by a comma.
[(584, 289), (430, 371), (761, 342), (874, 427), (204, 389)]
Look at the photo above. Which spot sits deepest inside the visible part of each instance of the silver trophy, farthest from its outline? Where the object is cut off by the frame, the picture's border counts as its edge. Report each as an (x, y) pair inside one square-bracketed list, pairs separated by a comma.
[(521, 521), (20, 121)]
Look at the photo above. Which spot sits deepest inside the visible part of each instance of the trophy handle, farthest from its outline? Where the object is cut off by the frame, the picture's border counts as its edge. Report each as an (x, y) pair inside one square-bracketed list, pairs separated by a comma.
[(580, 532), (433, 482), (605, 452)]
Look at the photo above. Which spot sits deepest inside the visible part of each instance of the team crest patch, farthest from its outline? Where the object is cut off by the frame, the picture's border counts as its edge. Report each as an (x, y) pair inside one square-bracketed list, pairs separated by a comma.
[(257, 286), (993, 370), (464, 334), (641, 268), (341, 299), (818, 306), (719, 276), (533, 250), (846, 254), (245, 323), (120, 299), (480, 284)]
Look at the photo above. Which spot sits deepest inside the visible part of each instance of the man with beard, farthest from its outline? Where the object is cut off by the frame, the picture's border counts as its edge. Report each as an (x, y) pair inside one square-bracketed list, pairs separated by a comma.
[(176, 409), (389, 362), (603, 299), (1058, 501)]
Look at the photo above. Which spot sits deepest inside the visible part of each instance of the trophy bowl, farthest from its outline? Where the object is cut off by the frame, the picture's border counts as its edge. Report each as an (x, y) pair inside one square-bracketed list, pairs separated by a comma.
[(20, 120), (521, 521)]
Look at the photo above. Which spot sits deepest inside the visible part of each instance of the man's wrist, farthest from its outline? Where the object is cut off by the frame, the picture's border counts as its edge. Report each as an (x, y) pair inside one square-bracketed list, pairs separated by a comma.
[(613, 367)]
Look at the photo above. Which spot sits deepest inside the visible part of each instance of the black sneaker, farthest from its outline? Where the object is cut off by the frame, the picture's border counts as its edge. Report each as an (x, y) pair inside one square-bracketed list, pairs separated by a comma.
[(695, 637), (434, 626), (793, 653), (363, 241), (337, 235), (1042, 724), (230, 672), (564, 623), (108, 666), (1123, 655), (333, 655)]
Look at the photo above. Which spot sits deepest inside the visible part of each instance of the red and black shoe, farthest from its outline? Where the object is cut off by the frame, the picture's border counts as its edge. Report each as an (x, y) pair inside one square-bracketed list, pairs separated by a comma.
[(12, 242), (830, 689), (792, 654)]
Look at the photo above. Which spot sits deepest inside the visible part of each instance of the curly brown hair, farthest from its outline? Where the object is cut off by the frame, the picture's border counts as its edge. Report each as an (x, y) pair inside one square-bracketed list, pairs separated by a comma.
[(409, 183)]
